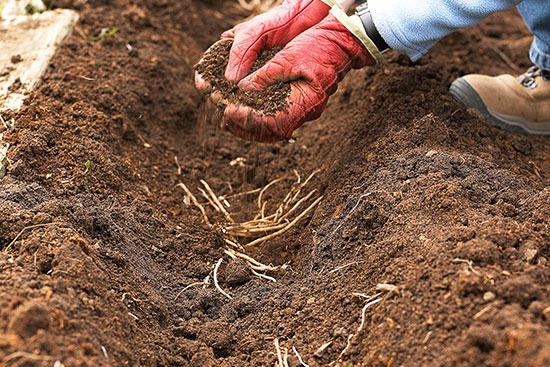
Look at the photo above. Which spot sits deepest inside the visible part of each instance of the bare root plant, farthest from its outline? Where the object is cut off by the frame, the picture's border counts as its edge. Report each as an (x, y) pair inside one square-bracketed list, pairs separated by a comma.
[(270, 220)]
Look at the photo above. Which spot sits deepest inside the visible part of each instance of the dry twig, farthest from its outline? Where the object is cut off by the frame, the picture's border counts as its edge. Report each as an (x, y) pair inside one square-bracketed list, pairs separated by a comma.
[(26, 229), (190, 286), (207, 197), (215, 276), (470, 264), (287, 227), (217, 201), (364, 313), (304, 364), (263, 276), (280, 361), (27, 355), (178, 165), (104, 350), (196, 203), (348, 344), (319, 352), (363, 321)]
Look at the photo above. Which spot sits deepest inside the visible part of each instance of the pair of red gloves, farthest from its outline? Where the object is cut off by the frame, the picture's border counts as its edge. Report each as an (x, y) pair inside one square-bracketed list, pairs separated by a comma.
[(318, 51)]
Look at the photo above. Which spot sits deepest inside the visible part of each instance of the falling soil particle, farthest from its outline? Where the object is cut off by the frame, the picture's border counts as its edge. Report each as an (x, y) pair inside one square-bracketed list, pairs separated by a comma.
[(15, 86), (15, 59), (212, 68)]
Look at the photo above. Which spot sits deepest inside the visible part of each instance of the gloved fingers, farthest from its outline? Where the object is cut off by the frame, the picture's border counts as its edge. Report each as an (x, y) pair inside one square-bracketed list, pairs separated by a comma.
[(306, 104), (273, 28), (321, 55), (205, 87), (295, 62), (249, 124), (314, 98), (201, 84), (283, 67), (263, 32), (217, 98), (229, 34), (244, 52), (249, 39)]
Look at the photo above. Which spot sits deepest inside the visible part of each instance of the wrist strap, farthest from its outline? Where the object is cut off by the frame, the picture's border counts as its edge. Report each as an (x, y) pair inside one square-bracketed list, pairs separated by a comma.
[(366, 18), (355, 26)]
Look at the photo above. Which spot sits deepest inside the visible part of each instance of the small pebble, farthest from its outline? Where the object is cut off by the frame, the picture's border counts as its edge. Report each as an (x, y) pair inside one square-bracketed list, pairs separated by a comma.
[(16, 59)]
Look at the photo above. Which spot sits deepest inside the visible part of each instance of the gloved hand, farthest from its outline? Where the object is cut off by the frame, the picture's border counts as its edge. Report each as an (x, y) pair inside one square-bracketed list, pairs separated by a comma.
[(314, 62), (272, 29)]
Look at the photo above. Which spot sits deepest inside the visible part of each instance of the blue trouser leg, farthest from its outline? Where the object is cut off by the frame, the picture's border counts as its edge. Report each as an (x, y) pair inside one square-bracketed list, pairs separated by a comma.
[(536, 14)]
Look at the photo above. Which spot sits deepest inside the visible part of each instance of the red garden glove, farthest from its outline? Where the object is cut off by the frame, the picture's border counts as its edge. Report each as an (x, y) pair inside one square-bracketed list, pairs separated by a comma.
[(314, 62), (274, 28)]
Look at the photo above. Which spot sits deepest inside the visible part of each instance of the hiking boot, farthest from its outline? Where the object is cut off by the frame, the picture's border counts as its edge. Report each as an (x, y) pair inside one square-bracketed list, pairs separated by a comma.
[(515, 104)]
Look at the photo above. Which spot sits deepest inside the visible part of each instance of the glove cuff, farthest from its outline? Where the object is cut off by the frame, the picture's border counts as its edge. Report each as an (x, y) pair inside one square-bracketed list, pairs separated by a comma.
[(355, 26), (331, 3)]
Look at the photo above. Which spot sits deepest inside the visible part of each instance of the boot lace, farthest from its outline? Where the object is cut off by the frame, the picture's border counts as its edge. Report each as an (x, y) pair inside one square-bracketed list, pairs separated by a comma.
[(528, 80)]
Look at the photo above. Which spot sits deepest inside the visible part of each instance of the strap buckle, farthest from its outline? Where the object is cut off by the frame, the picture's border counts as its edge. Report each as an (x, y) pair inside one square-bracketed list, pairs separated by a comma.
[(363, 12), (362, 8)]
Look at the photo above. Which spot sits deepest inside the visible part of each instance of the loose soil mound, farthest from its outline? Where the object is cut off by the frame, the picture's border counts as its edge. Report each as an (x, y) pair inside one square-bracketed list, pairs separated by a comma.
[(98, 248), (212, 67)]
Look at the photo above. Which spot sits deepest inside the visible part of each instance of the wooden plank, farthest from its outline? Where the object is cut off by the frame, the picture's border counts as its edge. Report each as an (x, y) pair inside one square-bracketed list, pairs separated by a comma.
[(12, 8), (28, 43)]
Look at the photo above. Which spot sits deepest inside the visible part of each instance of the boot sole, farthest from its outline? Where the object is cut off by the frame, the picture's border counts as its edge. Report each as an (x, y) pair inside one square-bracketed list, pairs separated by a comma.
[(463, 92)]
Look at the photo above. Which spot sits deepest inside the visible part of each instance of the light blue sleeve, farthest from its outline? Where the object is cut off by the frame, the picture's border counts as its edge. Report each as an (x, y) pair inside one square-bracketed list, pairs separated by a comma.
[(415, 26)]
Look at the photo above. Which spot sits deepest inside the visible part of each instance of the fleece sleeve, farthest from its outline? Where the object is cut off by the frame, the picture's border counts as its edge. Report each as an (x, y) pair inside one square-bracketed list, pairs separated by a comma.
[(414, 26)]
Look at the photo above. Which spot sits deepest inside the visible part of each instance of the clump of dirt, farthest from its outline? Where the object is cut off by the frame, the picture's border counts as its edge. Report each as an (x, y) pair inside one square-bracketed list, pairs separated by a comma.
[(212, 68), (30, 318)]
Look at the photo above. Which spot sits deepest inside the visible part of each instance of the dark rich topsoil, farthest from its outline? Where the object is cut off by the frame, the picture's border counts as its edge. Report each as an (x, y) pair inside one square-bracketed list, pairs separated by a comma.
[(212, 67), (419, 193)]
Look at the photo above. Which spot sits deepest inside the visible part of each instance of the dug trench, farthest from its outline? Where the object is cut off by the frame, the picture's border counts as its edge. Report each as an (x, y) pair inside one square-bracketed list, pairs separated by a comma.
[(98, 244)]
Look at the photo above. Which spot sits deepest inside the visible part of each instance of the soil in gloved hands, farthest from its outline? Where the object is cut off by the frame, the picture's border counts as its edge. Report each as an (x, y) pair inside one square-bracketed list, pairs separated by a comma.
[(212, 68)]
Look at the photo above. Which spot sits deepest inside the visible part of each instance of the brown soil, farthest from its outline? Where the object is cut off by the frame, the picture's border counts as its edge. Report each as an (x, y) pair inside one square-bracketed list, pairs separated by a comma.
[(419, 193), (212, 67)]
